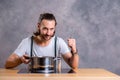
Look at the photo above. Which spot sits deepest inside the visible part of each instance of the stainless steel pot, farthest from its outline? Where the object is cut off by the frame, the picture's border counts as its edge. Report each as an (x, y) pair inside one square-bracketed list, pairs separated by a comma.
[(42, 64)]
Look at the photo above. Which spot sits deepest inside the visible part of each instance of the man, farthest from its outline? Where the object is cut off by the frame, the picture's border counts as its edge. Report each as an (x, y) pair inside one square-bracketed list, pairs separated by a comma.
[(43, 45)]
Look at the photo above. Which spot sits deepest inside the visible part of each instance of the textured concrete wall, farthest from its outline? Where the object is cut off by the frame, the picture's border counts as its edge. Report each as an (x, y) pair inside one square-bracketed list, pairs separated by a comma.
[(93, 23)]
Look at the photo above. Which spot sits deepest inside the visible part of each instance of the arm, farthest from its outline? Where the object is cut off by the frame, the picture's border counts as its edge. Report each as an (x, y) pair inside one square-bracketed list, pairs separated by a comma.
[(14, 60), (72, 58)]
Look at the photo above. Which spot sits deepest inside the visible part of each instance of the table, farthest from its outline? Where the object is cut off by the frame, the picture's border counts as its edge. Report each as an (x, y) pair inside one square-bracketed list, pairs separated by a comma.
[(81, 74)]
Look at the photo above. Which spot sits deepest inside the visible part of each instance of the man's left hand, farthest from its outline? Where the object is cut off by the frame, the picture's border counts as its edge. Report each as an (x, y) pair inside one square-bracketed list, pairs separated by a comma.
[(72, 44)]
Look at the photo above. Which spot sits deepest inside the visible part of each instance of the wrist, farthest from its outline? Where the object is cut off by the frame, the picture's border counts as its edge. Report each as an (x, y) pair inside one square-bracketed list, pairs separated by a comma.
[(74, 52)]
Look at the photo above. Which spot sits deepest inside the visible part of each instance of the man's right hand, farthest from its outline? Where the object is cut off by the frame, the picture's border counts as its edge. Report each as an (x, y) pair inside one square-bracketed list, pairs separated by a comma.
[(25, 59)]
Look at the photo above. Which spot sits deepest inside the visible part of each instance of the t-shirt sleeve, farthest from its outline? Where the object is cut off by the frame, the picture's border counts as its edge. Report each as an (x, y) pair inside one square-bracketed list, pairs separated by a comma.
[(21, 49), (63, 46)]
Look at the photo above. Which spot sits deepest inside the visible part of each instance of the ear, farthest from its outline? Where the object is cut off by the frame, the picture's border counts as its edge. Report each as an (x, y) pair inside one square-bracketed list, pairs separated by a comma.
[(38, 25)]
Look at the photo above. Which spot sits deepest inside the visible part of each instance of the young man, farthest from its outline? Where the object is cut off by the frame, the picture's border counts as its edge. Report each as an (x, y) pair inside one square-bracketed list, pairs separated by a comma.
[(43, 45)]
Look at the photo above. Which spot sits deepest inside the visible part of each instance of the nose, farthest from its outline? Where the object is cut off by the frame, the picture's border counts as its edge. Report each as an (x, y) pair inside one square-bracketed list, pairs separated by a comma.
[(48, 32)]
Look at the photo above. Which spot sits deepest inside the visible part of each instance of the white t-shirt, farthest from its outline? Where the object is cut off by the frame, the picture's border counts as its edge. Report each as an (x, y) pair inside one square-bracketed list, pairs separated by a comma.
[(49, 50)]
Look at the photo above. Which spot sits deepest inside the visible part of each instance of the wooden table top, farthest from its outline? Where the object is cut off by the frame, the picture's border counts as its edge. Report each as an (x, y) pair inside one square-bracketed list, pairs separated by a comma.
[(81, 74)]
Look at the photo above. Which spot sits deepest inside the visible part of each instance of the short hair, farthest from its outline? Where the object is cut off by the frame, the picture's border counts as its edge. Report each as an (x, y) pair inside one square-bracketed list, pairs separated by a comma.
[(47, 16)]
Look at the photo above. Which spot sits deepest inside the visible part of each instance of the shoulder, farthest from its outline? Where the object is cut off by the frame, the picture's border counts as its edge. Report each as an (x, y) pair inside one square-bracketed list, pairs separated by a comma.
[(60, 40), (26, 40)]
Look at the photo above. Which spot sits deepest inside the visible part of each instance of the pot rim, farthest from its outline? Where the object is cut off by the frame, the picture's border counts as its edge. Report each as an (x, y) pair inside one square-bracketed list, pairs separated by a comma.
[(42, 57)]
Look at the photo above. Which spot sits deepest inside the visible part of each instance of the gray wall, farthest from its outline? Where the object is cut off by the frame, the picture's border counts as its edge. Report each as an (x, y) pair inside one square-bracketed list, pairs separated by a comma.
[(93, 23)]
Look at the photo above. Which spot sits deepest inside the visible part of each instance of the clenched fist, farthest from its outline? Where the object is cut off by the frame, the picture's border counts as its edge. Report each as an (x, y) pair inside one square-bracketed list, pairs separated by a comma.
[(72, 44)]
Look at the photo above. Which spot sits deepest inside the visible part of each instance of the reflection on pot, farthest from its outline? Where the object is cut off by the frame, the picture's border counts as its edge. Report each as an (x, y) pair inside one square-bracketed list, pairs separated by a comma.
[(45, 64)]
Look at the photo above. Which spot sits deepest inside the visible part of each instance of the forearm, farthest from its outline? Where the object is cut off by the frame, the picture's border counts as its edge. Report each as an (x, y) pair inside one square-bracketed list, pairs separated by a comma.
[(74, 61), (75, 58), (12, 64), (13, 61)]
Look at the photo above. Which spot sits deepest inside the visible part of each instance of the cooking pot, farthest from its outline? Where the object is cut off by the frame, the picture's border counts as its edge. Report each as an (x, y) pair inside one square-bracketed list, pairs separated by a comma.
[(42, 64)]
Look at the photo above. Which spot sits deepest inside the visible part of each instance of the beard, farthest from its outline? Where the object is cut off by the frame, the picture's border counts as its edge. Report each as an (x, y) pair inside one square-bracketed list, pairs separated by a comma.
[(46, 37)]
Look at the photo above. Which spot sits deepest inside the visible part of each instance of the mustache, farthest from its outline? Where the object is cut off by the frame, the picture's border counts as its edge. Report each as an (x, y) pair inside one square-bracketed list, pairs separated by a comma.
[(50, 35)]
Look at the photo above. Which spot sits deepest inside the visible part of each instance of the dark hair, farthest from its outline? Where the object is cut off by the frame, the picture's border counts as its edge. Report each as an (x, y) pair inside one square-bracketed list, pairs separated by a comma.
[(47, 16)]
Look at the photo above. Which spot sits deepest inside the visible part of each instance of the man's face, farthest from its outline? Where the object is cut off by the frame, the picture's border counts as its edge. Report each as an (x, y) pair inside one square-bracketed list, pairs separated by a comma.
[(47, 29)]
